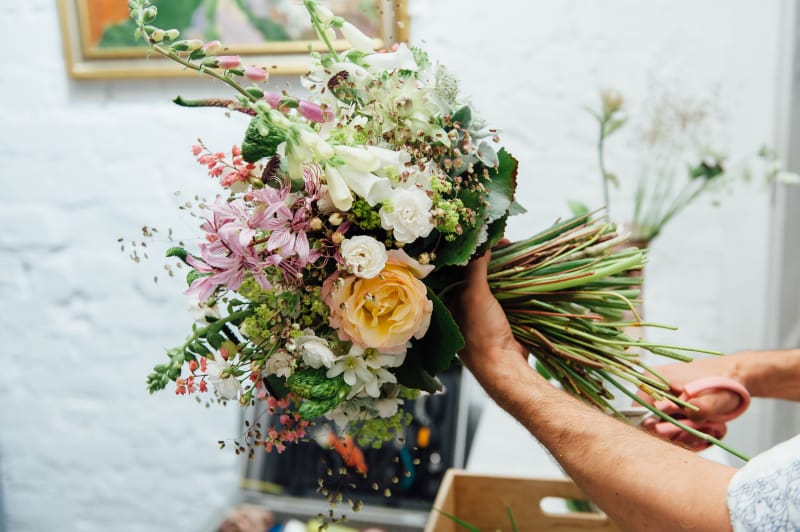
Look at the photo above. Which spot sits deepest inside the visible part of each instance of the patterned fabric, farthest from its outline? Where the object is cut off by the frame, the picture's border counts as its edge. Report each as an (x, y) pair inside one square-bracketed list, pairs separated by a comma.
[(764, 495)]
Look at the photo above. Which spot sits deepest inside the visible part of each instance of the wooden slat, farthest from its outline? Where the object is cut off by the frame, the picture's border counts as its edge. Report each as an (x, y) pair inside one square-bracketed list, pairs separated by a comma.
[(481, 501)]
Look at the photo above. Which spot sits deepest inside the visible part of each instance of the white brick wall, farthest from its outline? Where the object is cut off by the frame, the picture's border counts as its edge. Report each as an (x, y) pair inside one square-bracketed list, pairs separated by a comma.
[(84, 448)]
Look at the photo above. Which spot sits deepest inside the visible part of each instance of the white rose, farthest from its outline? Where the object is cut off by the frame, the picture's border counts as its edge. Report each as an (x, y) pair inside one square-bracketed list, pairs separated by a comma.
[(314, 350), (279, 364), (365, 257), (408, 215)]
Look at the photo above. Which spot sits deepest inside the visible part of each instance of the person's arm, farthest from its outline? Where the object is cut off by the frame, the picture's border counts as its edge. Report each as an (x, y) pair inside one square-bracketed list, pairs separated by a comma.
[(641, 482), (769, 374)]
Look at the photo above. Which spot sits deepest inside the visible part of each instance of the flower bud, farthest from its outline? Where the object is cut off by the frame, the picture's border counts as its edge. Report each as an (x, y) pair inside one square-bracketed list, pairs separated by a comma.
[(336, 219), (315, 224), (212, 47), (255, 92), (157, 35), (229, 61), (324, 14), (194, 44), (150, 14), (313, 112), (172, 34), (257, 74), (262, 107), (279, 119), (273, 99), (337, 238)]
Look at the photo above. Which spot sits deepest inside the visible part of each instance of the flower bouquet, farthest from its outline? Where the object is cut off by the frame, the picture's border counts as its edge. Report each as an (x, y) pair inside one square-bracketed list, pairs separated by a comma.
[(343, 222)]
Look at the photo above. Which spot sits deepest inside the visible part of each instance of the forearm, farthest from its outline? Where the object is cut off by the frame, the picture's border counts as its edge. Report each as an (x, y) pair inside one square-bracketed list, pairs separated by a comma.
[(771, 374), (641, 482)]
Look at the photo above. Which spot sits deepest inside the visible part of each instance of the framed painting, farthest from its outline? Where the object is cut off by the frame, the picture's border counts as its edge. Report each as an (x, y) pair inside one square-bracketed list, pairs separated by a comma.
[(275, 34)]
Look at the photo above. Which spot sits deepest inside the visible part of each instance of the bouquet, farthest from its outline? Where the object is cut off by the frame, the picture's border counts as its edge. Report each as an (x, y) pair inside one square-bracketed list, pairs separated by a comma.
[(342, 225)]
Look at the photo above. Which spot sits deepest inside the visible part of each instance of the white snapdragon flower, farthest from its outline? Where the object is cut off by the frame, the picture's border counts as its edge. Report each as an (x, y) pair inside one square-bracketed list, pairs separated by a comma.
[(357, 39), (314, 350), (224, 382), (280, 364), (358, 158), (338, 190), (401, 59), (408, 215), (390, 160), (365, 257), (367, 185)]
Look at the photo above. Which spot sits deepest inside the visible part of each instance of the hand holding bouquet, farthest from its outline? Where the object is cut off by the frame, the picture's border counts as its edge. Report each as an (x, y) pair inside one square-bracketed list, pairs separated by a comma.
[(343, 223)]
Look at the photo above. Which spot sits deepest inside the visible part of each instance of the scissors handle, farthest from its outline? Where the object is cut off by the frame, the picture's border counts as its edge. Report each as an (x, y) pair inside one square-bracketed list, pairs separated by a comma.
[(706, 385), (670, 432)]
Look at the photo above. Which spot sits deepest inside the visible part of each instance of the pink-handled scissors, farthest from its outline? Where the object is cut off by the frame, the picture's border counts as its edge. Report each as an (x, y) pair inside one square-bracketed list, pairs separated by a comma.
[(715, 426)]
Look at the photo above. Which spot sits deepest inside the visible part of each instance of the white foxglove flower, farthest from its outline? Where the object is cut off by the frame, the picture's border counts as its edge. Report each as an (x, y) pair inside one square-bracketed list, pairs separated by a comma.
[(338, 190), (316, 144), (324, 14), (358, 158), (401, 59), (408, 215), (390, 160), (365, 257), (357, 39), (219, 375), (372, 188)]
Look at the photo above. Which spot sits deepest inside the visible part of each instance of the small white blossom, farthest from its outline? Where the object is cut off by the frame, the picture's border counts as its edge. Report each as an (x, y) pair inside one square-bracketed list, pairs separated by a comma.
[(408, 215), (280, 364), (365, 257), (387, 407), (218, 372), (314, 350)]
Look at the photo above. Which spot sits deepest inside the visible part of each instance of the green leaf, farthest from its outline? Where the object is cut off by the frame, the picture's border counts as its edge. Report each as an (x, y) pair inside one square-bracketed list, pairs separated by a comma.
[(415, 377), (256, 146), (516, 208), (463, 116), (459, 251), (435, 351), (577, 208), (501, 185), (459, 521), (276, 386), (177, 252)]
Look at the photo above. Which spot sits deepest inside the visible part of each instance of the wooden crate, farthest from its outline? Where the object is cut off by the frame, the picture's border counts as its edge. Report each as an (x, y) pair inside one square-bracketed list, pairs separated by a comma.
[(481, 501)]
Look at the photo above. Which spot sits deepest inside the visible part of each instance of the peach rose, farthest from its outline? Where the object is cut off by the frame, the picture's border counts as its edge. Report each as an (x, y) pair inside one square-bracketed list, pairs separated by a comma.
[(383, 312)]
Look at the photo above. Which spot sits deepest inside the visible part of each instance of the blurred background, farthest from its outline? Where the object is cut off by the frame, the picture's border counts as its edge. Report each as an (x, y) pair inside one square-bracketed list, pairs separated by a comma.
[(83, 447)]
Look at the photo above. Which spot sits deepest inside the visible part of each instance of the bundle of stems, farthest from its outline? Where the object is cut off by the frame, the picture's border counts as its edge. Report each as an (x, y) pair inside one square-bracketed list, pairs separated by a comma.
[(570, 294)]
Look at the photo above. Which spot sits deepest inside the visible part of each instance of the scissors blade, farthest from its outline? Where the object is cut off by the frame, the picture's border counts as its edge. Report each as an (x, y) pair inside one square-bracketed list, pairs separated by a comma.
[(635, 414)]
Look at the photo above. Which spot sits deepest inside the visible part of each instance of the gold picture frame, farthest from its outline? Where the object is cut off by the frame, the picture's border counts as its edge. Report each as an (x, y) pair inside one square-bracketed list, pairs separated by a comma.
[(95, 33)]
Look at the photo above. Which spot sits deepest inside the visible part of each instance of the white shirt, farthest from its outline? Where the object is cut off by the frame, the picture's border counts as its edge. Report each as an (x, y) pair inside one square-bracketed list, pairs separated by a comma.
[(764, 495)]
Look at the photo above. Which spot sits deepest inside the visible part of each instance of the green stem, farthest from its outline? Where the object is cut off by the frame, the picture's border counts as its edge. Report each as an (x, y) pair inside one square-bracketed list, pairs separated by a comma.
[(601, 161), (694, 432), (310, 4), (199, 333)]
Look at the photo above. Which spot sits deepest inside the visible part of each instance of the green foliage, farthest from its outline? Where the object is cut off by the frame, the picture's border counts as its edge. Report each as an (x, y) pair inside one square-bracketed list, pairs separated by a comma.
[(434, 352), (377, 431), (257, 146), (269, 29), (171, 14), (314, 384), (367, 217)]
